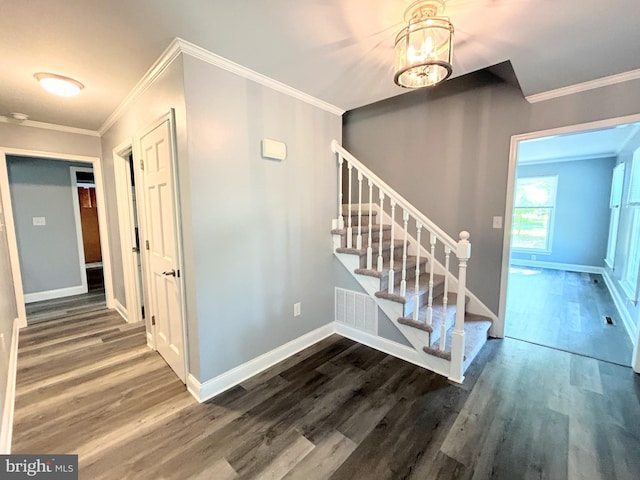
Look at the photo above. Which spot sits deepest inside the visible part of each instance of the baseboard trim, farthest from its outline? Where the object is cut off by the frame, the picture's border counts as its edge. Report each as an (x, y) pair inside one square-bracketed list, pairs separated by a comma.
[(9, 399), (569, 267), (619, 303), (121, 310), (392, 348), (209, 389), (58, 293)]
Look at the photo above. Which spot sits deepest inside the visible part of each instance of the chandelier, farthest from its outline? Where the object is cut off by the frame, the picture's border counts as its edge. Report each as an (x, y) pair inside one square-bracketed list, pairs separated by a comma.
[(424, 47)]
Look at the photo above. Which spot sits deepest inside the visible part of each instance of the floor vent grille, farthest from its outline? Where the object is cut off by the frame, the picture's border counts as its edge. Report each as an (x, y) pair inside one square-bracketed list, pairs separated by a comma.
[(356, 310)]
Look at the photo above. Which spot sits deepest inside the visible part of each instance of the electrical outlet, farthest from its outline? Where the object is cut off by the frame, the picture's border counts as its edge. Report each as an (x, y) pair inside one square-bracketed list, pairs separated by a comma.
[(296, 309), (533, 258), (39, 221), (497, 222)]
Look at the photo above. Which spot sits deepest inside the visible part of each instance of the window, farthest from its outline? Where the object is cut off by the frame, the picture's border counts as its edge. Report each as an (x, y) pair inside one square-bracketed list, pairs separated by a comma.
[(632, 268), (615, 202), (533, 212)]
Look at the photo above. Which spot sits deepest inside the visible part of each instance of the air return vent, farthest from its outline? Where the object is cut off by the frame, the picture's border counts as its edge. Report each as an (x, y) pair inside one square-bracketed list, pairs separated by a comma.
[(356, 310)]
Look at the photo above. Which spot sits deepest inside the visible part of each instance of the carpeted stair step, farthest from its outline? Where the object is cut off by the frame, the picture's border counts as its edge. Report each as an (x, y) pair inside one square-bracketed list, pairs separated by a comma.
[(375, 235), (408, 301), (354, 216), (386, 251), (437, 316), (476, 328), (397, 268)]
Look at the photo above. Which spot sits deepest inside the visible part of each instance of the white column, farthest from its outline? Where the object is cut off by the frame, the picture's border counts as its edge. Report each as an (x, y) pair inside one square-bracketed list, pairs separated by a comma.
[(349, 229), (457, 342), (432, 260), (340, 194), (359, 238), (445, 299), (380, 260), (393, 232), (369, 249)]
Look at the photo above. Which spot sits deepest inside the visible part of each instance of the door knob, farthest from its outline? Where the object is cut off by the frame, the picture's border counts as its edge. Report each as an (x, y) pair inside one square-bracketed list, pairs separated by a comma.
[(172, 273)]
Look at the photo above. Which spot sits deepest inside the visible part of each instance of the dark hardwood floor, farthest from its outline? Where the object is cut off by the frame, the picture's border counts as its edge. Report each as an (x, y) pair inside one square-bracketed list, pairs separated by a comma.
[(566, 310), (89, 385)]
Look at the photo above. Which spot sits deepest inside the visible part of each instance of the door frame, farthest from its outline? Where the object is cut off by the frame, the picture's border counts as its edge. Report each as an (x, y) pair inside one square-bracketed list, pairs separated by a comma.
[(499, 326), (78, 219), (131, 276), (11, 230)]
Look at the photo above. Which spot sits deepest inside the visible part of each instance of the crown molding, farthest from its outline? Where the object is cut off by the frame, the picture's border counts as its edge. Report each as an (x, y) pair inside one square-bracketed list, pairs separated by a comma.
[(157, 69), (575, 158), (179, 46), (225, 64), (583, 87), (49, 126)]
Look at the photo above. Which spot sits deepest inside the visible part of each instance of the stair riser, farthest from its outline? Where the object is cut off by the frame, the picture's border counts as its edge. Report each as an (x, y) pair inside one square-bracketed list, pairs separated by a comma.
[(354, 220), (423, 299), (386, 253), (451, 319)]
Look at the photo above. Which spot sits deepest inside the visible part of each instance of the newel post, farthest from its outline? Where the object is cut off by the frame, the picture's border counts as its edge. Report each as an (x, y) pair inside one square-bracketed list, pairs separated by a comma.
[(463, 252)]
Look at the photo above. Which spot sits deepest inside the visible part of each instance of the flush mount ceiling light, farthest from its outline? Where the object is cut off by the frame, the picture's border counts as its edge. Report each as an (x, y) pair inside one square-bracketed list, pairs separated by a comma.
[(424, 47), (59, 85)]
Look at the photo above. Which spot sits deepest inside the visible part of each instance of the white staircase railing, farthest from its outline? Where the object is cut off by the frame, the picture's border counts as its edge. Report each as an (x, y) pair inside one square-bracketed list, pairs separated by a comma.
[(437, 237)]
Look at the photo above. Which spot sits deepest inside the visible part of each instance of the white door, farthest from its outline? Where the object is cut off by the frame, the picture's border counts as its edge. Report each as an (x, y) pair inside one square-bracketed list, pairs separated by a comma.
[(162, 254)]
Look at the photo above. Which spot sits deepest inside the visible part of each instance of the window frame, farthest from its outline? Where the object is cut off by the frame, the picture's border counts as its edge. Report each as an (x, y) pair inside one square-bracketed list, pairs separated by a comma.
[(550, 229), (630, 279)]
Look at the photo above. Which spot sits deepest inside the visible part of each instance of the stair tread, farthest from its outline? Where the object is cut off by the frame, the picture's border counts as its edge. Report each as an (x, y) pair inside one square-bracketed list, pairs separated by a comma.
[(397, 266), (386, 245), (410, 291), (365, 229), (354, 210), (475, 331), (436, 315)]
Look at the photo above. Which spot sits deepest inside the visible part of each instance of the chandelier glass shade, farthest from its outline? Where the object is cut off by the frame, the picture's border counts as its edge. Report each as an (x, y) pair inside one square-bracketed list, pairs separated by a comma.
[(423, 48)]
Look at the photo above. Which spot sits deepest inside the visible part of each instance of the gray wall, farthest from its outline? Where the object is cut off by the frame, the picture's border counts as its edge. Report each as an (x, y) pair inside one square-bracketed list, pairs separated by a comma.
[(49, 255), (447, 151), (260, 228), (581, 219)]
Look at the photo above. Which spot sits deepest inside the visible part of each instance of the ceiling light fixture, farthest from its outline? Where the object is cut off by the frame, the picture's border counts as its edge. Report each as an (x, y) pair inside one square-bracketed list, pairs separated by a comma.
[(59, 85), (424, 47)]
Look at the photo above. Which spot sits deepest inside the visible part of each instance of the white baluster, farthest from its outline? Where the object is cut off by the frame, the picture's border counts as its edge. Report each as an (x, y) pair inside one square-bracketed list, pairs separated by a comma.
[(403, 283), (432, 240), (415, 296), (393, 231), (349, 229), (457, 343), (359, 238), (380, 260), (340, 194), (369, 249), (445, 299)]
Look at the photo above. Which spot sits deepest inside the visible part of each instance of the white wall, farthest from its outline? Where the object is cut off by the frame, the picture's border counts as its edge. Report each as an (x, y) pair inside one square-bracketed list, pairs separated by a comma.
[(260, 228)]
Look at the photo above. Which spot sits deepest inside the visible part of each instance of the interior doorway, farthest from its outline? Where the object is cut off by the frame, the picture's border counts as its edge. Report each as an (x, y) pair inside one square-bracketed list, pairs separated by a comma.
[(568, 249)]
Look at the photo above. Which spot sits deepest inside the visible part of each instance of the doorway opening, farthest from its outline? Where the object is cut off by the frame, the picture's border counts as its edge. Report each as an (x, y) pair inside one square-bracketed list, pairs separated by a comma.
[(570, 249)]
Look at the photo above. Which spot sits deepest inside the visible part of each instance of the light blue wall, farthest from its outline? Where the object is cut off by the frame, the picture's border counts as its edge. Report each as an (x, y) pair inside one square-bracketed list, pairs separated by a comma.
[(581, 219), (49, 255)]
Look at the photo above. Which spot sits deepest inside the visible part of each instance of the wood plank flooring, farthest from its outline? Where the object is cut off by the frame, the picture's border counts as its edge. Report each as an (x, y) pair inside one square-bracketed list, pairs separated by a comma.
[(62, 307), (337, 410), (565, 310)]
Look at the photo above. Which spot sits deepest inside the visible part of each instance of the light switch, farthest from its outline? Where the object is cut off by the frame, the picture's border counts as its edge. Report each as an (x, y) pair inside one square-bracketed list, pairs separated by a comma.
[(497, 222), (39, 221)]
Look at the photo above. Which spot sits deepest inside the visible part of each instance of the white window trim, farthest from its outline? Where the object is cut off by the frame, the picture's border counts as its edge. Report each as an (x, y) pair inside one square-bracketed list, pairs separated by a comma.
[(627, 285), (552, 220), (617, 185)]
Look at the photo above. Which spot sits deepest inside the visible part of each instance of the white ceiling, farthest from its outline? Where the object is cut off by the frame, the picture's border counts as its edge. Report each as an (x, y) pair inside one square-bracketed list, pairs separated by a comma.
[(594, 144), (339, 51)]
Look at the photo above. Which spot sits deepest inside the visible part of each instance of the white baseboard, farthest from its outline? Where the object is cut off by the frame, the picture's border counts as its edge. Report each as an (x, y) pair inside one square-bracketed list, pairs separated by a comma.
[(209, 389), (437, 365), (569, 267), (620, 306), (6, 429), (50, 294), (121, 310)]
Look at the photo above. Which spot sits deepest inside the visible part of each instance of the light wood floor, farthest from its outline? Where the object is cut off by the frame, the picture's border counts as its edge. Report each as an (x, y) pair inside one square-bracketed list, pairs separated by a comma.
[(339, 410), (63, 307), (566, 310)]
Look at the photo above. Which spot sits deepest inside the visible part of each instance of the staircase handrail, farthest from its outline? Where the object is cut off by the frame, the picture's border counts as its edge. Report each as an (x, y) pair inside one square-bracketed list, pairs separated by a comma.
[(400, 200)]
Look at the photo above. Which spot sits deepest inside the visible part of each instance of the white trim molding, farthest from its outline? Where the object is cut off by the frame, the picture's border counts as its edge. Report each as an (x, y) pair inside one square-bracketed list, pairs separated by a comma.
[(179, 46), (78, 219), (620, 306), (49, 126), (57, 293), (209, 389), (569, 267), (584, 86), (10, 393), (120, 309)]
